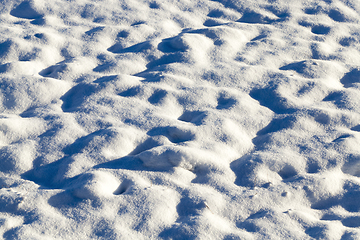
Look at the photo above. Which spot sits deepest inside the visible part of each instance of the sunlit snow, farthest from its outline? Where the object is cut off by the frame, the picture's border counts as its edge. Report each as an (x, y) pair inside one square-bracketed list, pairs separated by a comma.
[(208, 119)]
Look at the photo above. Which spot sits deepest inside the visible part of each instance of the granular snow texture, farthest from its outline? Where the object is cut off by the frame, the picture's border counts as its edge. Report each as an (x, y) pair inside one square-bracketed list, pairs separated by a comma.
[(207, 119)]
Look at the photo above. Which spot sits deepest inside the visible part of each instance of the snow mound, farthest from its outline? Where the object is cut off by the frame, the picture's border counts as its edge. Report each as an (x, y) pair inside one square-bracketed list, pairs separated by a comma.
[(94, 185)]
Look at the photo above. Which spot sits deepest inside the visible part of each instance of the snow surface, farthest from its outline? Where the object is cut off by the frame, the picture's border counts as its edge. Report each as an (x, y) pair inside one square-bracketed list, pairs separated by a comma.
[(222, 119)]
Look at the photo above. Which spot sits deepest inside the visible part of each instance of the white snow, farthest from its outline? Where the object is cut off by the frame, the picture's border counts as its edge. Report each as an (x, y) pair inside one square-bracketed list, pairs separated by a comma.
[(209, 119)]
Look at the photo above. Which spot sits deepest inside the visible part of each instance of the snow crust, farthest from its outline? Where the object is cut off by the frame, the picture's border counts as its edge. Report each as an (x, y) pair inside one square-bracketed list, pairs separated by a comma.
[(207, 119)]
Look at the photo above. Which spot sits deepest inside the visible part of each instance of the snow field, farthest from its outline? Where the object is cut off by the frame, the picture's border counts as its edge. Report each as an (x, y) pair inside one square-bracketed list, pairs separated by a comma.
[(179, 120)]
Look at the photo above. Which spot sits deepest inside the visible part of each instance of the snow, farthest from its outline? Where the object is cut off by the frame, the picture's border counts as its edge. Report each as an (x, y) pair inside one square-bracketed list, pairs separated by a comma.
[(207, 119)]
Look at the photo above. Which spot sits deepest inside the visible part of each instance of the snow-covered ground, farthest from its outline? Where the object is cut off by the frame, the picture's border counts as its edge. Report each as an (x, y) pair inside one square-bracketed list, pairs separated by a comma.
[(180, 119)]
